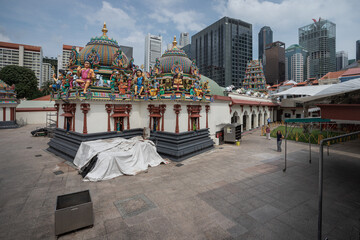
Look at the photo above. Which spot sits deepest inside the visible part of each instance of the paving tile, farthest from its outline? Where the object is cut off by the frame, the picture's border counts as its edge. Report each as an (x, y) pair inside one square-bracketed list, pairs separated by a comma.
[(265, 213)]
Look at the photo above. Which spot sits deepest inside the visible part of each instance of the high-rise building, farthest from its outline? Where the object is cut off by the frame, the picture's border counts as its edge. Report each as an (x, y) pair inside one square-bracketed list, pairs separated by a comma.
[(296, 63), (275, 62), (341, 60), (22, 55), (265, 37), (66, 55), (128, 51), (153, 50), (184, 39), (49, 67), (187, 50), (319, 38), (222, 50), (357, 50)]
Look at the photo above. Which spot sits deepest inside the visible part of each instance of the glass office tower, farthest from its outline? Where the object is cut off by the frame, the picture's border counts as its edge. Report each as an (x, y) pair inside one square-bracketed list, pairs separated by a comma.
[(222, 50)]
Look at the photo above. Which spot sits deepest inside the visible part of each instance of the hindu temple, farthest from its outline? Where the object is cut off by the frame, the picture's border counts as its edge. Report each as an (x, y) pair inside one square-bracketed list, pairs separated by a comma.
[(254, 76), (103, 94)]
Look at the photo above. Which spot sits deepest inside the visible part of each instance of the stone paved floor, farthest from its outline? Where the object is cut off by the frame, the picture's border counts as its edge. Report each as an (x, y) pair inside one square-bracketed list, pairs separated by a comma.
[(231, 192)]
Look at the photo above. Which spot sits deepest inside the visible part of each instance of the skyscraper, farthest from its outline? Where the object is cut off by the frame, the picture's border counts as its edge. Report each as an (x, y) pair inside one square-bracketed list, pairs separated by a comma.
[(319, 38), (128, 51), (265, 37), (275, 62), (341, 60), (153, 49), (357, 50), (222, 50), (22, 55), (184, 39), (296, 63)]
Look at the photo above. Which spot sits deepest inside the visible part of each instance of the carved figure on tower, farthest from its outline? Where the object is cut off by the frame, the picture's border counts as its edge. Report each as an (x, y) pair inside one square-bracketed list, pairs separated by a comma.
[(118, 59), (139, 82), (93, 58), (58, 81), (85, 75), (177, 76), (74, 57)]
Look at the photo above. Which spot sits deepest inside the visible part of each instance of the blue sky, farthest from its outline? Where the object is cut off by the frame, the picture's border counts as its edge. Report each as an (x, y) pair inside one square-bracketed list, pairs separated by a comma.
[(50, 23)]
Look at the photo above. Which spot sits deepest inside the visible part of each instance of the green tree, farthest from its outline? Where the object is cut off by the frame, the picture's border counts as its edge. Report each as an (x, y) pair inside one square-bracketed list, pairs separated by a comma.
[(45, 88), (26, 83)]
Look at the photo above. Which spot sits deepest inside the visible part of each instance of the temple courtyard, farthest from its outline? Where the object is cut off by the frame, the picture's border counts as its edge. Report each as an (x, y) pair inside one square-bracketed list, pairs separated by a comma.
[(230, 192)]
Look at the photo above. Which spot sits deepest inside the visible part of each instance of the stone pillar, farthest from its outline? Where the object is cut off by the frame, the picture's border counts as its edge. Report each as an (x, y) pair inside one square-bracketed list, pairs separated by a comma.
[(128, 110), (162, 111), (11, 114), (73, 110), (207, 108), (189, 112), (4, 113), (85, 107), (177, 109), (57, 114), (108, 108)]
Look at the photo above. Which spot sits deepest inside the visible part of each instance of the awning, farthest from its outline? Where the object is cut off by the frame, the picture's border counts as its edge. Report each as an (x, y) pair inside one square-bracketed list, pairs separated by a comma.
[(155, 115), (119, 115), (195, 115), (315, 109), (67, 115), (306, 120)]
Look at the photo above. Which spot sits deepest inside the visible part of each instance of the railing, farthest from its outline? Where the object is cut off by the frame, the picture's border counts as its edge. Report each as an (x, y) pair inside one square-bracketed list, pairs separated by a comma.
[(344, 137)]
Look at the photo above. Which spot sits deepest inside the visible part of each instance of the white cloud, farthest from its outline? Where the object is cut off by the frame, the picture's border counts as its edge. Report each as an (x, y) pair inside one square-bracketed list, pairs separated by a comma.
[(287, 16), (4, 38)]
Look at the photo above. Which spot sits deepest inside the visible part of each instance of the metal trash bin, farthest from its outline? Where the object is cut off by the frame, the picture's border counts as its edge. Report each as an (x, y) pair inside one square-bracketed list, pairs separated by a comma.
[(232, 132), (73, 211)]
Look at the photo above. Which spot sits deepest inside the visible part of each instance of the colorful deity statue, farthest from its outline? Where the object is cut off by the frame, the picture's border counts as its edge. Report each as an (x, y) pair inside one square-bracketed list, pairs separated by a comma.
[(187, 84), (154, 88), (74, 57), (205, 87), (66, 82), (157, 67), (177, 76), (122, 83), (194, 69), (132, 65), (93, 58), (197, 89), (139, 81), (58, 81), (114, 80), (119, 60), (85, 75)]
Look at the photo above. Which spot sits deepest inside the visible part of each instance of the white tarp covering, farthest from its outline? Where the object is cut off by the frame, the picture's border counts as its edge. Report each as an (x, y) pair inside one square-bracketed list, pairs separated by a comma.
[(116, 157), (323, 90)]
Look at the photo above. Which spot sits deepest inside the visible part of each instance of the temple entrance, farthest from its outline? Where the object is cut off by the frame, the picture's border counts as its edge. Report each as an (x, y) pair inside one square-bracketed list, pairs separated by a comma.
[(245, 122), (195, 124), (68, 121), (253, 120), (118, 124), (156, 124)]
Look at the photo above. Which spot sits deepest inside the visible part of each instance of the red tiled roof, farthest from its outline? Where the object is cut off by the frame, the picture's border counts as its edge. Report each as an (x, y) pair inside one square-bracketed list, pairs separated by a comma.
[(222, 98), (252, 103), (351, 72), (69, 47), (289, 84), (333, 75), (300, 84), (43, 98), (16, 46), (315, 82)]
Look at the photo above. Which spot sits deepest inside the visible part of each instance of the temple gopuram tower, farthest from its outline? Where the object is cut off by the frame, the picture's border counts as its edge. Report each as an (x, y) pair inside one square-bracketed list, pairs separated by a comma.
[(254, 76)]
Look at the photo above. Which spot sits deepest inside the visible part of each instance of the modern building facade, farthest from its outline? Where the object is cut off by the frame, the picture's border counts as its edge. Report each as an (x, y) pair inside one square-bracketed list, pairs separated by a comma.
[(358, 50), (341, 60), (184, 39), (319, 38), (128, 51), (187, 50), (265, 37), (22, 55), (275, 62), (296, 63), (222, 50), (153, 49), (47, 72)]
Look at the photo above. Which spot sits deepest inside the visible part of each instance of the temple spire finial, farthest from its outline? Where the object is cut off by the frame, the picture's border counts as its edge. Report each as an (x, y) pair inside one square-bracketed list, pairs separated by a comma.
[(104, 29), (174, 42)]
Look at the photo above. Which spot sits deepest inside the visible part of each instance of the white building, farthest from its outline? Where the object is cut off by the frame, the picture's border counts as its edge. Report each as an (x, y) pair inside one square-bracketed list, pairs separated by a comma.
[(296, 63), (22, 55), (47, 72), (341, 60), (184, 39), (153, 49)]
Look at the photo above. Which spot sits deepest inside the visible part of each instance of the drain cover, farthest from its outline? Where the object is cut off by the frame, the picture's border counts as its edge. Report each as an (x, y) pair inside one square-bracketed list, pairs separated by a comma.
[(179, 165), (28, 147), (38, 155), (58, 172)]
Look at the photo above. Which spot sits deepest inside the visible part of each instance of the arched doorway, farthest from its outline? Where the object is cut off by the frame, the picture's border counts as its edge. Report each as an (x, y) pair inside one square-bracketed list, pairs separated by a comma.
[(235, 117), (245, 121), (253, 120), (260, 123)]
